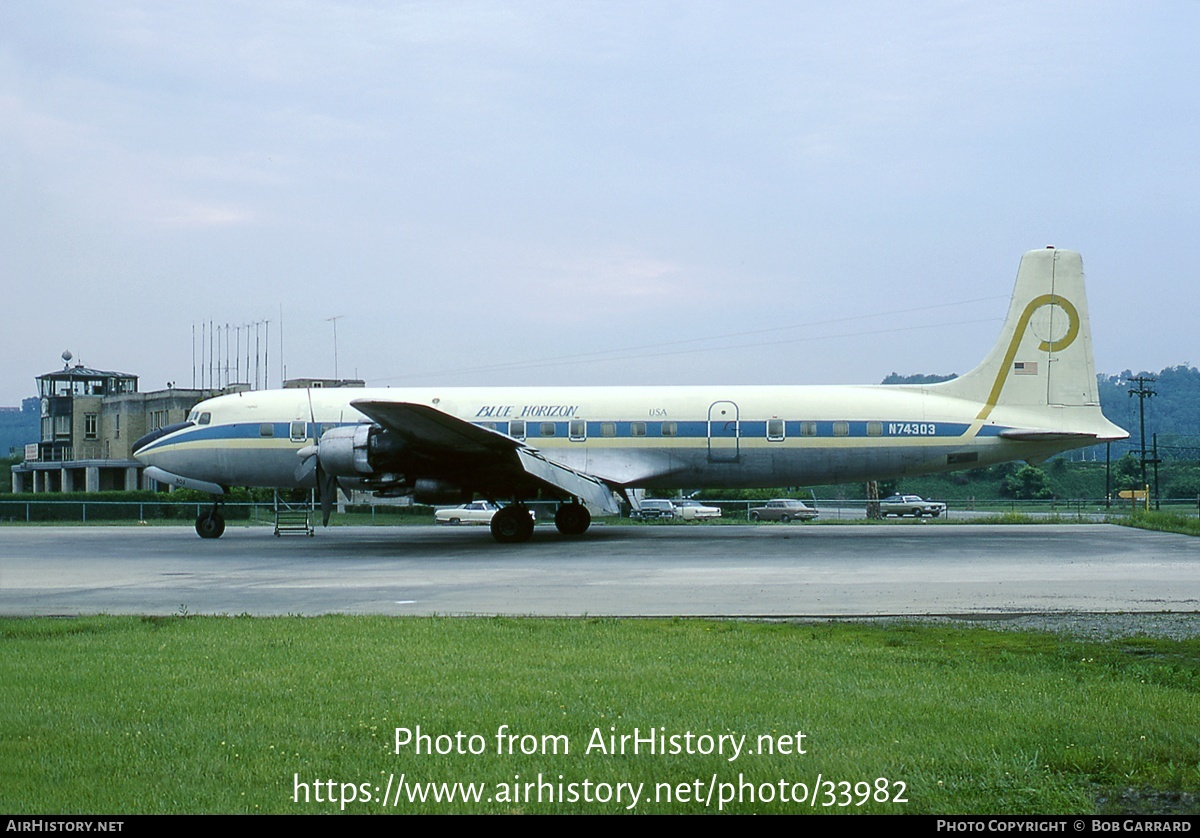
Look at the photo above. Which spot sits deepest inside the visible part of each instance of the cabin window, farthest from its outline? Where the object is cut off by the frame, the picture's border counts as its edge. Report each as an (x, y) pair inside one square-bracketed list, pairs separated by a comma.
[(608, 429), (670, 429), (547, 429), (841, 429), (516, 428), (808, 429), (637, 428), (774, 430), (298, 432), (577, 430), (266, 429), (491, 426), (874, 429)]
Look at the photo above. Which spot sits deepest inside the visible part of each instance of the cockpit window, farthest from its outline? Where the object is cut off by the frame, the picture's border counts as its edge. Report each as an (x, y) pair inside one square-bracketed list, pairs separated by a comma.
[(205, 418)]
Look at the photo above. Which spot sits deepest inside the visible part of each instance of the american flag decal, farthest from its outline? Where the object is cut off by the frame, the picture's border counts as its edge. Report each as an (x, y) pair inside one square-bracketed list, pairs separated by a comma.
[(1025, 368)]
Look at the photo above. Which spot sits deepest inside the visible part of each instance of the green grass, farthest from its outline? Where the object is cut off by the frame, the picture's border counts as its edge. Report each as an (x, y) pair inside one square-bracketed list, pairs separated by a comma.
[(1162, 522), (188, 714)]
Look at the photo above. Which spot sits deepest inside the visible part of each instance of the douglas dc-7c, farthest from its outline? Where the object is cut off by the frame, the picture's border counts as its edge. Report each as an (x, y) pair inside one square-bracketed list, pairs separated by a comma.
[(1034, 395)]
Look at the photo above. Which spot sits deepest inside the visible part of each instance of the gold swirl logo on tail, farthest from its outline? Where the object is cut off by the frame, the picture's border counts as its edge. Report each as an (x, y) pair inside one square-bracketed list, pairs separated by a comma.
[(1051, 345)]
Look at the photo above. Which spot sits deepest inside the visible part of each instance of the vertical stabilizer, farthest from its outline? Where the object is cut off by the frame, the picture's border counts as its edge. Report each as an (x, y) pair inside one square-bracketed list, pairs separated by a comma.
[(1044, 353)]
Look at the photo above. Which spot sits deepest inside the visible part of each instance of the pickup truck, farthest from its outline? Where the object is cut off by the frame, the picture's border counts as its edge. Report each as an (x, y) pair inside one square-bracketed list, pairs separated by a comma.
[(914, 505)]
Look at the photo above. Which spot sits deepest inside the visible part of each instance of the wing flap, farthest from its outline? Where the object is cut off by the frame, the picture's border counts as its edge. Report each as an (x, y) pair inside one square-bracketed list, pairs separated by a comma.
[(589, 489)]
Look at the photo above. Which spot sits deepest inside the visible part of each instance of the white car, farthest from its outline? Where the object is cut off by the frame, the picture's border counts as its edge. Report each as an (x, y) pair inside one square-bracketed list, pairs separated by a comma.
[(475, 512), (914, 505), (694, 510)]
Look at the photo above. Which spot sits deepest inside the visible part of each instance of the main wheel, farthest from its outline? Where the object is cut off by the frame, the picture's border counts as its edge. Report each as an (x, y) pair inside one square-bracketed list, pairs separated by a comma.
[(572, 519), (512, 525), (211, 525)]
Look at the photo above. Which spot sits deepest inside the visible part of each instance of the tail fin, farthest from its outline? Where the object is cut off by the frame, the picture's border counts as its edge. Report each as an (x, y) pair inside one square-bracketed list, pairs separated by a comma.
[(1044, 354)]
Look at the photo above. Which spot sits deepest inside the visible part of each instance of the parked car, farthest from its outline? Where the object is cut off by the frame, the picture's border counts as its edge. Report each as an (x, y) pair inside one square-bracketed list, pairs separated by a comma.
[(783, 510), (901, 505), (694, 510), (653, 510), (475, 512)]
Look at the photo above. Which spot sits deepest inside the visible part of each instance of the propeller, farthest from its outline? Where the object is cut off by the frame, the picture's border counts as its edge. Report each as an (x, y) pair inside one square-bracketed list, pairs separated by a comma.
[(310, 469)]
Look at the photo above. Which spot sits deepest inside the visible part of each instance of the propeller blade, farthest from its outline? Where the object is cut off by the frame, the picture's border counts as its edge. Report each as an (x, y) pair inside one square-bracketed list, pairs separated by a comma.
[(326, 490)]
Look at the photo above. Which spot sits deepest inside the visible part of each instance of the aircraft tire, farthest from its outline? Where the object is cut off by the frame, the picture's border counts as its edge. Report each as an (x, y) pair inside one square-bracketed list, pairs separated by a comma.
[(572, 519), (512, 525), (211, 525)]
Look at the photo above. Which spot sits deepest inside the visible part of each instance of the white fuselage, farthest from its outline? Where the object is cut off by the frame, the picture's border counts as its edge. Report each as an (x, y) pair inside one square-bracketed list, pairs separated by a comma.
[(722, 436)]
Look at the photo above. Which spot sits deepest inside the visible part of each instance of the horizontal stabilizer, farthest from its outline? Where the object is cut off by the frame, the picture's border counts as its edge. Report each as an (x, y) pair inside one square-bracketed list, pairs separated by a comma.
[(1022, 435)]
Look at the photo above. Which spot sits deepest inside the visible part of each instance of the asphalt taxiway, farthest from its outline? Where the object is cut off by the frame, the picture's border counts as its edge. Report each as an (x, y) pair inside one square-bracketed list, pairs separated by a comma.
[(770, 571)]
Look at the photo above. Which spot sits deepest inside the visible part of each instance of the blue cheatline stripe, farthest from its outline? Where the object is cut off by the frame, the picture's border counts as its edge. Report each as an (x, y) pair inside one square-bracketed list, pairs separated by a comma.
[(749, 429), (752, 429)]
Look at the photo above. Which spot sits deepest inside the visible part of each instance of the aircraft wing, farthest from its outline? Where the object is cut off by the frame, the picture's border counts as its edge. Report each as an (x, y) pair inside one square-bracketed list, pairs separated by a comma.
[(436, 434)]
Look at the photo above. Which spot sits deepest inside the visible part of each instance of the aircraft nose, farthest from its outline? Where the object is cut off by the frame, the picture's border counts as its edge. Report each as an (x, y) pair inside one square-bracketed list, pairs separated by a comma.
[(139, 447)]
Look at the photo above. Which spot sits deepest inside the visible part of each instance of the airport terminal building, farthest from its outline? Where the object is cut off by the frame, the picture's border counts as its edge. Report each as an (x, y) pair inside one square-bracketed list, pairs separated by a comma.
[(89, 421)]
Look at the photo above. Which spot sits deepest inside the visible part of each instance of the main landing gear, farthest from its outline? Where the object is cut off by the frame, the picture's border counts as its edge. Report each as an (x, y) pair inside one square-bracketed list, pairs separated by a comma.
[(572, 519), (512, 524), (210, 524)]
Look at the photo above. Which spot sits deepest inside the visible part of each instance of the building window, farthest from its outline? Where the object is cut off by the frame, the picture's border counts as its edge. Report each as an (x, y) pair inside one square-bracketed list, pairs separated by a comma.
[(91, 426), (117, 425), (62, 427)]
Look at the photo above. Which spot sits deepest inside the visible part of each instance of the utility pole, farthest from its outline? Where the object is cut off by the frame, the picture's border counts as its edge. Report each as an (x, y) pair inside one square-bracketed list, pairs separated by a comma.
[(1143, 392), (334, 321)]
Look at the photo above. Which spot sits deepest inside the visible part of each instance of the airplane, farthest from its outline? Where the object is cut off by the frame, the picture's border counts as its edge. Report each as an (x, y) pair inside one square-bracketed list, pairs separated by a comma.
[(1033, 396)]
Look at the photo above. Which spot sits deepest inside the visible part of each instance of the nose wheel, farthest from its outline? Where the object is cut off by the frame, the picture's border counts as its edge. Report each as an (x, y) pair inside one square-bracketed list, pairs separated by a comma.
[(211, 524)]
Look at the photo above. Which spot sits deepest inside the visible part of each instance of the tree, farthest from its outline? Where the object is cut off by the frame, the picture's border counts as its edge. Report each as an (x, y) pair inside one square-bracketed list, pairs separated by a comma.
[(1026, 483)]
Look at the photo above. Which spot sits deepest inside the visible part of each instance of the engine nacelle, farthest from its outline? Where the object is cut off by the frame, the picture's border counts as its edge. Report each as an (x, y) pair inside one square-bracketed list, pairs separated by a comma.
[(345, 451), (434, 492)]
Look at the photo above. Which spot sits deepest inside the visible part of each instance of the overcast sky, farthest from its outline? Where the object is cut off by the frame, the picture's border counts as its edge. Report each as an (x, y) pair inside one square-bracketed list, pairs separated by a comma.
[(589, 192)]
